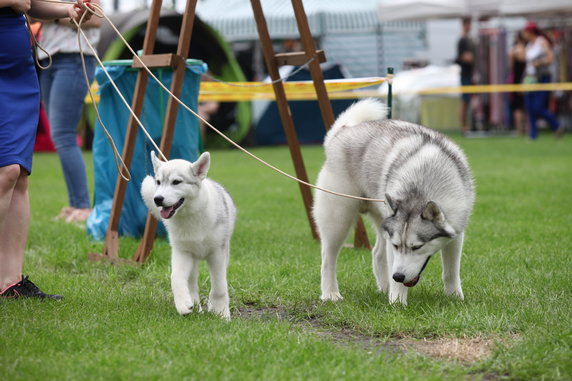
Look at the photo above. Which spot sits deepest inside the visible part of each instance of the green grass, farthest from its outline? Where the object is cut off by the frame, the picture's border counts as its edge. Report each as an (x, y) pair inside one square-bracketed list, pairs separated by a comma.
[(119, 322)]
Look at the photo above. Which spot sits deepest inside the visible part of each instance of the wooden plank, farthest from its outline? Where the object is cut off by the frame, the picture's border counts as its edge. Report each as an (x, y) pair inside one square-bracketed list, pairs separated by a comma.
[(157, 60), (297, 58), (284, 110), (146, 245), (360, 236)]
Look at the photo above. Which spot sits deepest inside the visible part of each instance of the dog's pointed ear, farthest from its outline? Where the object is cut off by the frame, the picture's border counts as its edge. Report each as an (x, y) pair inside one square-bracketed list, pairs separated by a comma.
[(432, 212), (201, 166), (155, 161), (393, 204)]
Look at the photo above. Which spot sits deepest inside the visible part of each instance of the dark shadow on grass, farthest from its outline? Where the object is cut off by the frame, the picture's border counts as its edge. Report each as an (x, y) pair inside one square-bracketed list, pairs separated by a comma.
[(465, 350)]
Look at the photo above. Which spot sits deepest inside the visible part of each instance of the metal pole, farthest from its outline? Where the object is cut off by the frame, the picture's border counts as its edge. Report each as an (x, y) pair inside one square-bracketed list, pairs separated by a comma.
[(389, 91)]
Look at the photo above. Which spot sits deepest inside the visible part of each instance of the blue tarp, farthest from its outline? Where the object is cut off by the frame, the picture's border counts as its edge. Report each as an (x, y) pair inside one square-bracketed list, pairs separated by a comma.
[(186, 141)]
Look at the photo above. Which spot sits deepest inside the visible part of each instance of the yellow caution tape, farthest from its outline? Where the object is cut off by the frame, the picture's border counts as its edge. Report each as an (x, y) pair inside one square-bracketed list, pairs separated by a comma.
[(310, 95), (342, 89), (230, 97), (498, 88), (95, 91), (332, 85), (246, 91)]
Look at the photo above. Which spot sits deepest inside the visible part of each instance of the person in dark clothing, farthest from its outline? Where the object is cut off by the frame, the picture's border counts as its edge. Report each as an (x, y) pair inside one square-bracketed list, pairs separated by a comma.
[(517, 64), (466, 60)]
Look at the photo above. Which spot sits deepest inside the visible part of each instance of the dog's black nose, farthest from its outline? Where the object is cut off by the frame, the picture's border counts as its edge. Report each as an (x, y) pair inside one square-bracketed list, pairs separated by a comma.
[(399, 277), (159, 200)]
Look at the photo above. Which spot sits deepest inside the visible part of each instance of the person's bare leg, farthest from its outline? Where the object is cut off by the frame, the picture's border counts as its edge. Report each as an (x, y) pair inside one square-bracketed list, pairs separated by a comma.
[(463, 117), (14, 222), (519, 122)]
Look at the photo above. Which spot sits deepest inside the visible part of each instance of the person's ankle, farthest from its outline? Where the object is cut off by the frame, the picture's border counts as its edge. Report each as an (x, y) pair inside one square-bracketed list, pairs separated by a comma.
[(9, 282)]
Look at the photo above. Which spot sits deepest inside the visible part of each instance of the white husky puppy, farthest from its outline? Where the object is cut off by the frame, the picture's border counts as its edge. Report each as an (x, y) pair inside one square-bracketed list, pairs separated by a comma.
[(199, 216), (428, 188)]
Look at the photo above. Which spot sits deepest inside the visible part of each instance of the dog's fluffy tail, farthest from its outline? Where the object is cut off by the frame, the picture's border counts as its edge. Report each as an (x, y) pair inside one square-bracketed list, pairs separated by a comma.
[(362, 111)]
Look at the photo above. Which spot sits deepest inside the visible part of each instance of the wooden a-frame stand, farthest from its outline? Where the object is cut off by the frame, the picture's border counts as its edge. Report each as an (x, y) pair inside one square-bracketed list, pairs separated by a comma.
[(177, 63)]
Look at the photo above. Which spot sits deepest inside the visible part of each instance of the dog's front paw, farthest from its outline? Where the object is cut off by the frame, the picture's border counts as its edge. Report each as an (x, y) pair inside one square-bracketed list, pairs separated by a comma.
[(397, 299), (219, 308), (184, 309), (187, 306), (455, 292), (397, 294), (383, 287), (332, 296)]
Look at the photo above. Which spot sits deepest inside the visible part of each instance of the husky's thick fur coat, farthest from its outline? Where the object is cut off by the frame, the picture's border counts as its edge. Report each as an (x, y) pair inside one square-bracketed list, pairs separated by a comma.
[(428, 188), (199, 216)]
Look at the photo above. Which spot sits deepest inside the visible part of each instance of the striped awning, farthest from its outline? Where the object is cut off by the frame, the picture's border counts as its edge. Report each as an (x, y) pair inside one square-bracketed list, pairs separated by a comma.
[(235, 21)]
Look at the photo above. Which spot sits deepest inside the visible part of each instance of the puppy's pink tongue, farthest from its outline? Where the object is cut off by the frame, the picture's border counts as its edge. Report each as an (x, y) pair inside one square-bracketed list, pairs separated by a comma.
[(166, 212)]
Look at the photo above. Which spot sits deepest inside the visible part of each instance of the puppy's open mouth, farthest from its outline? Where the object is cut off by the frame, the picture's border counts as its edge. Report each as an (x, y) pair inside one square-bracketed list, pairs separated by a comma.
[(412, 282), (415, 280), (168, 211)]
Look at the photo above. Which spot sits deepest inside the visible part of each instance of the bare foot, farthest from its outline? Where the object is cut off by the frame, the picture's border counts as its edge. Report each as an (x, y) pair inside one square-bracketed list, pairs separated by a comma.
[(64, 213), (79, 215)]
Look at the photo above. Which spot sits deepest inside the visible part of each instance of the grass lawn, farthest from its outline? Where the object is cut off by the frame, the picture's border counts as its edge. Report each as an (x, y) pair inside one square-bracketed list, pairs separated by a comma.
[(119, 322)]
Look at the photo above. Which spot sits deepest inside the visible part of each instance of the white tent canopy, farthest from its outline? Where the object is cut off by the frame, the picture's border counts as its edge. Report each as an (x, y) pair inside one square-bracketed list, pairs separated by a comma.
[(235, 19), (535, 7), (398, 10)]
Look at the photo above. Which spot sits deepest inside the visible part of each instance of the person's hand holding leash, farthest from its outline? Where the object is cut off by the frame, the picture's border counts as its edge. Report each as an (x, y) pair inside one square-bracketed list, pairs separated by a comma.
[(77, 11)]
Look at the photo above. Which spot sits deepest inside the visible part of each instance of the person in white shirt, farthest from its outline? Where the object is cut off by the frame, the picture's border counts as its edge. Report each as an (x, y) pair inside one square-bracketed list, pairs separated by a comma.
[(63, 90), (539, 57)]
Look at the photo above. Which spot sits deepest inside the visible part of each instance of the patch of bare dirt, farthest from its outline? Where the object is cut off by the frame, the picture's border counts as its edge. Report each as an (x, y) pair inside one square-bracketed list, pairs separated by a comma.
[(464, 350)]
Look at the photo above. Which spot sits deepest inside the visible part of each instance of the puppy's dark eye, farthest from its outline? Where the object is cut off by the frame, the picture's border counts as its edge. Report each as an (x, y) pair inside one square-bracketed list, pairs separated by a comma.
[(416, 247), (158, 182), (176, 182), (395, 246)]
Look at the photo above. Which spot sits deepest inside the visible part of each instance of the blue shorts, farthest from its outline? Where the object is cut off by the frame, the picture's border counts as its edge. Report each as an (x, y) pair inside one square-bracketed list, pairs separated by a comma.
[(19, 94), (466, 82)]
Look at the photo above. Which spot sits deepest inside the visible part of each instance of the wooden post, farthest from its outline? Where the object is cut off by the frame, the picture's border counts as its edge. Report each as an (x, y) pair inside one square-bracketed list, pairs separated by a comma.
[(284, 109), (360, 238), (111, 245), (314, 66), (185, 35)]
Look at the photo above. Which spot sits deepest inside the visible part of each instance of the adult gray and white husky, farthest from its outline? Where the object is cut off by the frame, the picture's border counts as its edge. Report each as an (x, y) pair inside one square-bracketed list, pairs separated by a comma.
[(428, 188), (199, 216)]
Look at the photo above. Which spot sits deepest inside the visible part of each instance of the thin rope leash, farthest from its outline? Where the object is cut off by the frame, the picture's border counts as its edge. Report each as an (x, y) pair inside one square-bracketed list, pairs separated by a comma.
[(119, 163), (37, 46), (117, 155), (102, 14)]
